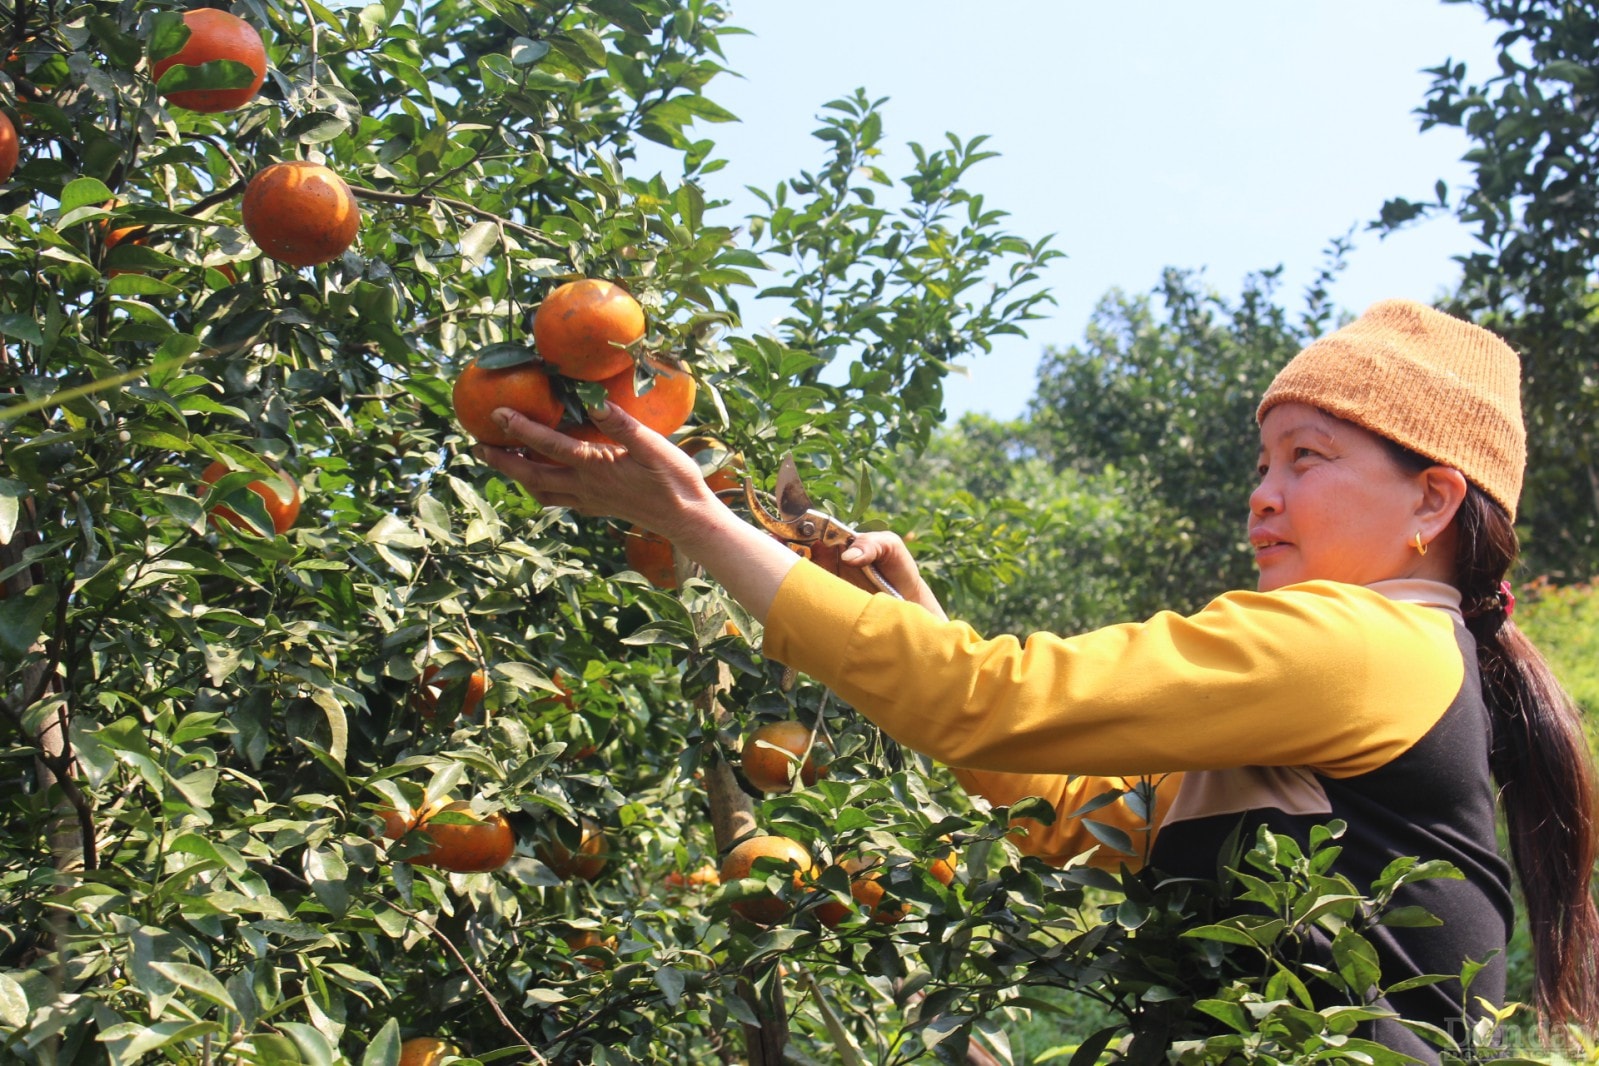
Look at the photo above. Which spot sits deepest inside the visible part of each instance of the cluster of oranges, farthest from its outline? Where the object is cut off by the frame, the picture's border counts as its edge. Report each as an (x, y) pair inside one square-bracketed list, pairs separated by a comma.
[(583, 331), (298, 212), (865, 876)]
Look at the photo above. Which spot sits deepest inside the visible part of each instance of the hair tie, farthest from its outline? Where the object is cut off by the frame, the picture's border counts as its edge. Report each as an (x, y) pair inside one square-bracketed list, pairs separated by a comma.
[(1507, 598)]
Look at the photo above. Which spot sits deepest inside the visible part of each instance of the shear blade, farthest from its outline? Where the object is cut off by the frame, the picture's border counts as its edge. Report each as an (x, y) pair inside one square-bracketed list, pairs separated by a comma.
[(792, 500)]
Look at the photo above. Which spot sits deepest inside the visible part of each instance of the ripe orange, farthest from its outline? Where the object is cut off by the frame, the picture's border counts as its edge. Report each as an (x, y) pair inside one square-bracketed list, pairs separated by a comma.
[(425, 1051), (739, 863), (698, 878), (524, 388), (215, 35), (282, 499), (10, 149), (944, 859), (651, 555), (487, 843), (665, 406), (300, 213), (867, 890), (584, 328), (428, 694), (582, 943), (135, 236), (589, 858), (773, 752), (728, 474)]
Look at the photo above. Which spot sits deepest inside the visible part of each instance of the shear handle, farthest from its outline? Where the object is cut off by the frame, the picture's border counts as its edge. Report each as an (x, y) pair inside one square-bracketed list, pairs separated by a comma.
[(810, 531)]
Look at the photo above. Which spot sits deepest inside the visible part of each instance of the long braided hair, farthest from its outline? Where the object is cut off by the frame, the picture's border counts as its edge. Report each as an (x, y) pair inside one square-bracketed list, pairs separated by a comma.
[(1540, 760)]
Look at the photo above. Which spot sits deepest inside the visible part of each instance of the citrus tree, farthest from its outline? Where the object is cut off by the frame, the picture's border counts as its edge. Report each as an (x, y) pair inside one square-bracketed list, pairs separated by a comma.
[(1529, 201), (319, 741)]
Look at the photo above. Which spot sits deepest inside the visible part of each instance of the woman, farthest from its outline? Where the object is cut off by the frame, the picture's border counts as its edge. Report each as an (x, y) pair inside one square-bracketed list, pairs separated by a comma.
[(1374, 676)]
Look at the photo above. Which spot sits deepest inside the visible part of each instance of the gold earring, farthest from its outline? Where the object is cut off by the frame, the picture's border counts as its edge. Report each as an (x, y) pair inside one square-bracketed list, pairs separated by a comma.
[(1421, 546)]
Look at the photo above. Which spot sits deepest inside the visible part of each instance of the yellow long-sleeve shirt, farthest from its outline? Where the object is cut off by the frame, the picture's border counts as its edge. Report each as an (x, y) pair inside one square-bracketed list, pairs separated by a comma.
[(1286, 708)]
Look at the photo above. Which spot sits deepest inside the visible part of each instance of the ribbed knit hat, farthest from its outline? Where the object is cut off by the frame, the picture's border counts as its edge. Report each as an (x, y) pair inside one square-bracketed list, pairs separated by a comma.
[(1442, 387)]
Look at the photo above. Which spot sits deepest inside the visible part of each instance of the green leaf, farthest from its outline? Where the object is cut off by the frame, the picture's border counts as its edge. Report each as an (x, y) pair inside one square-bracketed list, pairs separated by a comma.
[(384, 1050), (216, 74), (13, 1003), (84, 192), (12, 494), (315, 1048), (500, 356), (23, 618), (21, 327), (1110, 835), (1227, 1012), (1409, 918), (168, 34), (1226, 934), (200, 847), (317, 127), (525, 52), (198, 980), (671, 983), (478, 241)]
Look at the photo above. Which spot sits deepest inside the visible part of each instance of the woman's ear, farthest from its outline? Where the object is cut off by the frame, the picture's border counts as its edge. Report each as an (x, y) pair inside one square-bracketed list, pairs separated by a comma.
[(1443, 490)]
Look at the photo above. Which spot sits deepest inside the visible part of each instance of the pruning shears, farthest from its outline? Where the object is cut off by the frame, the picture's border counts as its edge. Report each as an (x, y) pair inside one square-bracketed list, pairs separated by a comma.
[(817, 536)]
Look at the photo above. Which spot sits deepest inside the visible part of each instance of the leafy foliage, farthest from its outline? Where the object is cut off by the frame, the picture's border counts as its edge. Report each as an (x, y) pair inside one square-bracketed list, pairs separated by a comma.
[(1533, 206), (204, 725)]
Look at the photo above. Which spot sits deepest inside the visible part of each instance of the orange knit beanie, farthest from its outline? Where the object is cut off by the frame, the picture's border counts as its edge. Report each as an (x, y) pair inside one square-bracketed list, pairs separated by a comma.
[(1440, 386)]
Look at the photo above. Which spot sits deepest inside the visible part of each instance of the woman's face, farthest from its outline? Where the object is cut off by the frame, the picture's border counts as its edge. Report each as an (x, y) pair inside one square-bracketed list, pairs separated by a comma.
[(1332, 504)]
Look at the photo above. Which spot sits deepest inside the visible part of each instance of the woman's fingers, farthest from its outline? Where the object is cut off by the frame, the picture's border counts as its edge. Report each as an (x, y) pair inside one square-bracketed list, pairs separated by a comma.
[(887, 553), (642, 477)]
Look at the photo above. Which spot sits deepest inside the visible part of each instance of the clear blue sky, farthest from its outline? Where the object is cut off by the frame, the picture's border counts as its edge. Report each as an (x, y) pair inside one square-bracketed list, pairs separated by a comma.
[(1226, 136)]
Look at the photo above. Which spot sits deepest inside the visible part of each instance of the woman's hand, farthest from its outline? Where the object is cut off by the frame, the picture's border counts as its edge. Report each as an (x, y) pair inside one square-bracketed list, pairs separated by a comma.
[(644, 479), (888, 553)]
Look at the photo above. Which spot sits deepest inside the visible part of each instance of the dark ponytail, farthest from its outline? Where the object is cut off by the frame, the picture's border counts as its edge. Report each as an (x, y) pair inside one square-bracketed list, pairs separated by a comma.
[(1543, 766)]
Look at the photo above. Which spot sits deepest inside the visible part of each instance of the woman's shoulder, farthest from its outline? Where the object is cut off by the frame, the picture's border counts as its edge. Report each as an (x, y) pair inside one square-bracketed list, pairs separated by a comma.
[(1429, 605), (1335, 627)]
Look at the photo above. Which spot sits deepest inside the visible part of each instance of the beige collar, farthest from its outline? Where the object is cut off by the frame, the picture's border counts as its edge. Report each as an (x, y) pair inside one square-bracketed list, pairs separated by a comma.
[(1421, 591)]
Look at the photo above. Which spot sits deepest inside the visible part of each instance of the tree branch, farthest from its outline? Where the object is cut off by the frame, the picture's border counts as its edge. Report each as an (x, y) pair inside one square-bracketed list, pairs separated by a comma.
[(494, 1003), (427, 200)]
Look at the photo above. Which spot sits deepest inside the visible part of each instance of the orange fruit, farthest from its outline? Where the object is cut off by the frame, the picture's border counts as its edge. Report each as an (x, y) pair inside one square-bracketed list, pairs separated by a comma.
[(282, 499), (584, 328), (487, 843), (699, 878), (428, 694), (739, 863), (10, 149), (582, 943), (728, 471), (425, 1051), (300, 213), (589, 858), (867, 891), (651, 555), (524, 388), (663, 408), (943, 865), (772, 753), (215, 35), (135, 236)]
